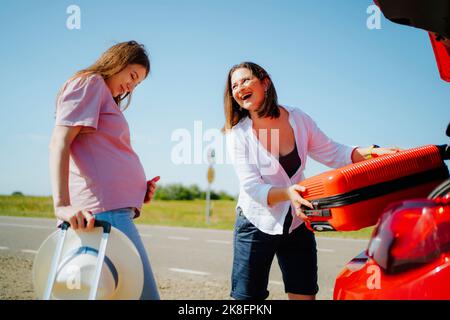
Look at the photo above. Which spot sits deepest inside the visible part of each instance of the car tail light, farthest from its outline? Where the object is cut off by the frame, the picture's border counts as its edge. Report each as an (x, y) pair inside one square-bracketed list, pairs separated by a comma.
[(410, 234)]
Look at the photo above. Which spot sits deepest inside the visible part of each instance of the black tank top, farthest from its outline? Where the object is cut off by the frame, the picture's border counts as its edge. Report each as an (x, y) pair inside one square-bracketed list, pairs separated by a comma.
[(290, 163)]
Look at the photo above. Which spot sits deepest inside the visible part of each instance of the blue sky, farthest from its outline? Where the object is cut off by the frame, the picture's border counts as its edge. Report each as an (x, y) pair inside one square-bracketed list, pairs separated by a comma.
[(361, 86)]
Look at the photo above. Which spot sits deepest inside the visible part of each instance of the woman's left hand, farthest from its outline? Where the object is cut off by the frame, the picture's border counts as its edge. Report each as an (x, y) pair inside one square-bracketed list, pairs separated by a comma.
[(376, 152), (361, 154), (151, 187)]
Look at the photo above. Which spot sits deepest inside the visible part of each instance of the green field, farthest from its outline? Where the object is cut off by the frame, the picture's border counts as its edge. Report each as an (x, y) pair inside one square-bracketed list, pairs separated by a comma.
[(164, 213)]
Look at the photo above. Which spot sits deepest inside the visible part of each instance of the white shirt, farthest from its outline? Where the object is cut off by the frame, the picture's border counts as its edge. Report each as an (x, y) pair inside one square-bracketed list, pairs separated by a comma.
[(258, 170)]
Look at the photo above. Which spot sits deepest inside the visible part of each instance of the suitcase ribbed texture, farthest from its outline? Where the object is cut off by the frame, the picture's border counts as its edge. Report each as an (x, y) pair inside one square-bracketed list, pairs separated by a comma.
[(373, 171), (391, 167)]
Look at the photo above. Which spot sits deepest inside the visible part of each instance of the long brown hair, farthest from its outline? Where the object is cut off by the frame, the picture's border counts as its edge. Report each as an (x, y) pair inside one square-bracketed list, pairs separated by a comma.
[(114, 60), (234, 113)]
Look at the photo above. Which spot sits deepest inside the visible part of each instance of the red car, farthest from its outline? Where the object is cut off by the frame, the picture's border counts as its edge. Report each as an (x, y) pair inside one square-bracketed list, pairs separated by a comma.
[(408, 256)]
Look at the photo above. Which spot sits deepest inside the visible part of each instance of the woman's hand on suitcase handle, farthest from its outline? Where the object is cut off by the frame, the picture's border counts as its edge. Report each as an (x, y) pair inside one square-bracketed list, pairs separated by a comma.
[(78, 219), (294, 192), (374, 151), (380, 151)]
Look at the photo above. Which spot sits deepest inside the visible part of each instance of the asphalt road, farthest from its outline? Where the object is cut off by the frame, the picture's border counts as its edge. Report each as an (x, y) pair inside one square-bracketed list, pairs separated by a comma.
[(180, 252)]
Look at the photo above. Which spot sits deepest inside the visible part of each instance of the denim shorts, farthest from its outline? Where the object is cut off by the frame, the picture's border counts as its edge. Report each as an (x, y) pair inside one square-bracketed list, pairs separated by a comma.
[(254, 251), (122, 219)]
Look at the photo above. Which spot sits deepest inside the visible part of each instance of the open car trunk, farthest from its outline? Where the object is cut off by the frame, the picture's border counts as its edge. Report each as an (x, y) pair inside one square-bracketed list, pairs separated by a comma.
[(432, 16)]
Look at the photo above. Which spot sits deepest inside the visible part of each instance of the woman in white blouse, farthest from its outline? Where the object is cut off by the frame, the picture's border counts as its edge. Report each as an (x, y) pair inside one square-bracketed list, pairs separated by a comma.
[(268, 144)]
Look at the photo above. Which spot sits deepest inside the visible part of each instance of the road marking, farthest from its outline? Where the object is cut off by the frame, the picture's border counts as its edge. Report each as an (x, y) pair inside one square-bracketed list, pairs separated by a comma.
[(318, 237), (179, 238), (278, 283), (4, 248), (200, 273), (29, 251), (25, 226), (219, 241), (325, 250), (146, 235)]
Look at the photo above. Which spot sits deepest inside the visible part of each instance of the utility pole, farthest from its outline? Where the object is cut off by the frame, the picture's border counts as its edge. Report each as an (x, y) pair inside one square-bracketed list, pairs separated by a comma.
[(210, 176)]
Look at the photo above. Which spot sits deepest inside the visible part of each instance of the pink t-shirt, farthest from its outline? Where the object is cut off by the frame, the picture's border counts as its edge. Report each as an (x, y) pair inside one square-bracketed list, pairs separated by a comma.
[(105, 172)]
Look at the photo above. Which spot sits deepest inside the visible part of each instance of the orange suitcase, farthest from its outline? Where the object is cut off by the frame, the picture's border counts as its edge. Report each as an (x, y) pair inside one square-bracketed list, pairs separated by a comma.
[(354, 196)]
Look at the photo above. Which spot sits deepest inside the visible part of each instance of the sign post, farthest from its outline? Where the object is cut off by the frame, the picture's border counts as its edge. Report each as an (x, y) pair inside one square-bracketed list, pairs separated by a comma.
[(210, 176)]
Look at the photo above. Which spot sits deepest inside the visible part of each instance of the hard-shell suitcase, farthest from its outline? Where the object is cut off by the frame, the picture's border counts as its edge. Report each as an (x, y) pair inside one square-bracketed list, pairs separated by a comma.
[(57, 257), (354, 196)]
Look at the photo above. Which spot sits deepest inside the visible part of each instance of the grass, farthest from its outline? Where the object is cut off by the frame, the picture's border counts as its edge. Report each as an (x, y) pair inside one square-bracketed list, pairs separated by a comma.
[(189, 214), (164, 213), (26, 206)]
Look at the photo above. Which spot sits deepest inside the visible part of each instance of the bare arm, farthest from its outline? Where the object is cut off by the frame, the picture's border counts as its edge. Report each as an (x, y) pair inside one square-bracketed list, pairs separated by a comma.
[(277, 195), (62, 138), (292, 194), (60, 142)]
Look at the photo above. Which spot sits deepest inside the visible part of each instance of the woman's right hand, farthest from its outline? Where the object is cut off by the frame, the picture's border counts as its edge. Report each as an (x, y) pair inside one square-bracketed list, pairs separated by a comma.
[(78, 219), (294, 192)]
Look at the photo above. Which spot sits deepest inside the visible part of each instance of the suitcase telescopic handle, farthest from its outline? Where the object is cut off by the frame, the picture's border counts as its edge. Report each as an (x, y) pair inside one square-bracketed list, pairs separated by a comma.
[(98, 223), (444, 150)]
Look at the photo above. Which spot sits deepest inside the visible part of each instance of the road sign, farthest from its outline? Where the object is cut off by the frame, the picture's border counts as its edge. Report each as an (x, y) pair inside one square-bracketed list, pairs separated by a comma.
[(210, 174)]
